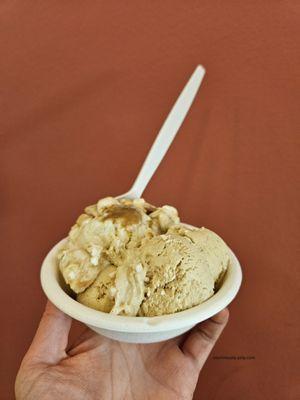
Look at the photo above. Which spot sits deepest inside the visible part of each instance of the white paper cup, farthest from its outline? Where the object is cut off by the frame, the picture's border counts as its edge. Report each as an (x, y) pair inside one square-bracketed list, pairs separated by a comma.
[(136, 329)]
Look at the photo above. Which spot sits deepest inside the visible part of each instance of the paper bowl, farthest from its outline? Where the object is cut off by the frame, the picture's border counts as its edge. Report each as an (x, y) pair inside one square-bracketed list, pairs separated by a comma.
[(136, 329)]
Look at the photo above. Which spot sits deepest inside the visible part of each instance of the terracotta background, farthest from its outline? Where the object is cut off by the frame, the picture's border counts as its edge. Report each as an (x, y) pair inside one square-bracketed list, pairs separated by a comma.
[(85, 86)]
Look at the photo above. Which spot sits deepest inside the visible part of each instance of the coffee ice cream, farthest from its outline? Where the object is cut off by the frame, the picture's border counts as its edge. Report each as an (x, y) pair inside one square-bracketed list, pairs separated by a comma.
[(127, 257)]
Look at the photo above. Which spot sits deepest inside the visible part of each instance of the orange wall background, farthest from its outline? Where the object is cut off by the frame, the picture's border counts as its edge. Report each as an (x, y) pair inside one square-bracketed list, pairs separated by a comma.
[(85, 86)]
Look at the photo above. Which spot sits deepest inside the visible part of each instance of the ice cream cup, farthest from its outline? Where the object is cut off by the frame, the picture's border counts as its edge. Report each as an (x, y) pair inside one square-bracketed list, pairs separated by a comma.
[(136, 329)]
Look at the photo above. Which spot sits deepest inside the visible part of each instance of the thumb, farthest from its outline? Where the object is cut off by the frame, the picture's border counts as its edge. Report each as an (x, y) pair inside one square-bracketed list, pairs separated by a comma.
[(51, 338), (203, 337)]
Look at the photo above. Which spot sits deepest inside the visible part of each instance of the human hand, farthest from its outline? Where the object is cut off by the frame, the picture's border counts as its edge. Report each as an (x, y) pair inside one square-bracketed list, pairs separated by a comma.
[(95, 367)]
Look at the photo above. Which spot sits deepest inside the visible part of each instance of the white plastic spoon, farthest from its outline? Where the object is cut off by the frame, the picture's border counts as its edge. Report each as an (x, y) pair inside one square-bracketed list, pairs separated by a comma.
[(166, 134)]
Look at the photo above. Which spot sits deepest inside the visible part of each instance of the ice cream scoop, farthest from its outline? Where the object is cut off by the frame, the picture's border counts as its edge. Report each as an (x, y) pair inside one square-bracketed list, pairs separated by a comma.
[(105, 234), (166, 268), (128, 257)]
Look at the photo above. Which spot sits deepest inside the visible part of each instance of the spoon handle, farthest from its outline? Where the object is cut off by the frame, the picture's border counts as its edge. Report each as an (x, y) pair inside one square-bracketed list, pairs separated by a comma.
[(168, 132)]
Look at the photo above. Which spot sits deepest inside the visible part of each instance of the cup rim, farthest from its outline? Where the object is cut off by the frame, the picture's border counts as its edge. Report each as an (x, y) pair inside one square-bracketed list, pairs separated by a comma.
[(49, 277)]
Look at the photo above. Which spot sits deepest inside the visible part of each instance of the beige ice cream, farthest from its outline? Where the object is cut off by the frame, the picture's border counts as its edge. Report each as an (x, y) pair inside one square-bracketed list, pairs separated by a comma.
[(100, 295), (195, 260), (104, 231), (128, 257)]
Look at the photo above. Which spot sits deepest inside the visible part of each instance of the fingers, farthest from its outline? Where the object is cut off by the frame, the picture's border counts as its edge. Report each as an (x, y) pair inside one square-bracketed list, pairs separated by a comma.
[(90, 340), (203, 337), (78, 339), (51, 338), (83, 337)]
